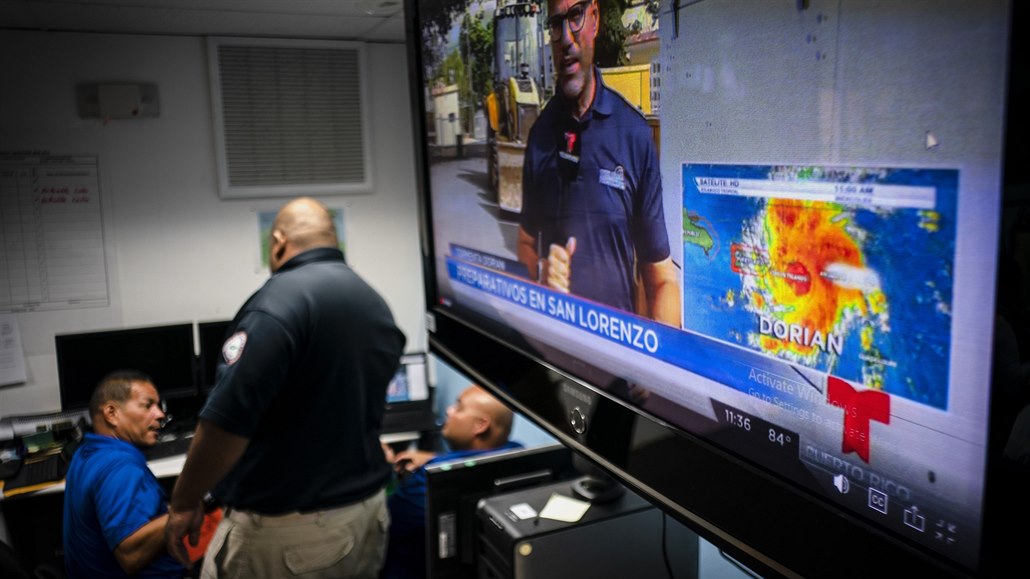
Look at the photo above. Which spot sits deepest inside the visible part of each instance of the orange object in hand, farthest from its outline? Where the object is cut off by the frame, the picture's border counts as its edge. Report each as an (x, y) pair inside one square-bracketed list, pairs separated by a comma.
[(207, 531)]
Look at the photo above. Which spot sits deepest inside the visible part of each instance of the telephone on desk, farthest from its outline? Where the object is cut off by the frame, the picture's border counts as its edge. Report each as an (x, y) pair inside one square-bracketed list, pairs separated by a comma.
[(38, 458)]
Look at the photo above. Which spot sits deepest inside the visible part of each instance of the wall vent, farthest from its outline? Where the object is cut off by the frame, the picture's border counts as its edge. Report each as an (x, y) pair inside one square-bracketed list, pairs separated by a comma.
[(290, 117)]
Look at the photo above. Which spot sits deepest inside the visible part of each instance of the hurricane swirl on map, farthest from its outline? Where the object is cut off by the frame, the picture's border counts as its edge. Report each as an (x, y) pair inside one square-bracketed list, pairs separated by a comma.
[(858, 285)]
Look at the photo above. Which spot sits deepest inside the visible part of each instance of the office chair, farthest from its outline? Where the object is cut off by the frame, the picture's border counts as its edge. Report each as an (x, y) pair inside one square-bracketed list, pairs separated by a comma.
[(10, 565), (48, 571)]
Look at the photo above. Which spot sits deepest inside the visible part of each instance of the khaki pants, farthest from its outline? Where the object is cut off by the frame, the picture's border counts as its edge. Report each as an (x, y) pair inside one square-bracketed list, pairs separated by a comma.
[(341, 543)]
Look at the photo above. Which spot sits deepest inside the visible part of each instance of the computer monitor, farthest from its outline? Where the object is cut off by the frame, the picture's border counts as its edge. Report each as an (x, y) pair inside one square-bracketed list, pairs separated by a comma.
[(408, 396), (453, 489), (411, 382), (210, 336), (409, 405), (165, 353)]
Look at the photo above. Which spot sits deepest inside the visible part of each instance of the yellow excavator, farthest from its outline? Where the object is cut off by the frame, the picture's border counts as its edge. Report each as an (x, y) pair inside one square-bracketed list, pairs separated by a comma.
[(515, 102), (633, 82), (517, 97)]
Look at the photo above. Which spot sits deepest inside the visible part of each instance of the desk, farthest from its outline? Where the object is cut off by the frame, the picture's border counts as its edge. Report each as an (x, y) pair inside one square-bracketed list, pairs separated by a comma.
[(38, 514), (398, 437), (170, 466)]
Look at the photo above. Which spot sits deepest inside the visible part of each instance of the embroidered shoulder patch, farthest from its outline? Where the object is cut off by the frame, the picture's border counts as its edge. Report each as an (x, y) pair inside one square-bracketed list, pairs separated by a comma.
[(615, 178), (232, 349)]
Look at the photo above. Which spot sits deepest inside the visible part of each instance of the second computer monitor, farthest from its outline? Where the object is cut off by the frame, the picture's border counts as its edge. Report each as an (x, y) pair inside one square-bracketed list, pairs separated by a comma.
[(165, 353), (408, 396), (211, 337), (409, 405)]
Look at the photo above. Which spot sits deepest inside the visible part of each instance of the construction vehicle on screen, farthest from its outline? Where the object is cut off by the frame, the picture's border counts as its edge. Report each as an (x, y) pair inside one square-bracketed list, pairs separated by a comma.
[(518, 95), (516, 100)]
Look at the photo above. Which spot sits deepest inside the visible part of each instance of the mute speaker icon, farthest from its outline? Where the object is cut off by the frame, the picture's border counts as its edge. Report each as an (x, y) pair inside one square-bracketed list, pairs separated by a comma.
[(841, 482)]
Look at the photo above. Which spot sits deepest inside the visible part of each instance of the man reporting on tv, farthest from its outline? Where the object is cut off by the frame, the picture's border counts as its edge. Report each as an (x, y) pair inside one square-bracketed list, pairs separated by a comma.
[(476, 423), (592, 213)]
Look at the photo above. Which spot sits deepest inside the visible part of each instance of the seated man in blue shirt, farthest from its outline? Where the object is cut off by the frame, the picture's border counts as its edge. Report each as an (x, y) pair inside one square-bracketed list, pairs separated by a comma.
[(476, 423), (114, 508)]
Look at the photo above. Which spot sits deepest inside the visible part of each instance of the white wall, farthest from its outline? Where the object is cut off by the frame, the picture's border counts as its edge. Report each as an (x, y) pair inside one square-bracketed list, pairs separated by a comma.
[(175, 251)]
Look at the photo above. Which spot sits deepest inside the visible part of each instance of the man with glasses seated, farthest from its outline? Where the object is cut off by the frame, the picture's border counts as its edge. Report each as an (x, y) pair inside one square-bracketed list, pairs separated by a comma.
[(592, 212), (477, 424)]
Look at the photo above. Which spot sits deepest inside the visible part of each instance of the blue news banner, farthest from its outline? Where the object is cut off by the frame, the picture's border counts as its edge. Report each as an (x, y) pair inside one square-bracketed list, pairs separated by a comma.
[(768, 379)]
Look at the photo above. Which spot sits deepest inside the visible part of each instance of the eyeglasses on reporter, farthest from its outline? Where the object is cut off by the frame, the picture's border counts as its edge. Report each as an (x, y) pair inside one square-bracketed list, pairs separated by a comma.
[(575, 16)]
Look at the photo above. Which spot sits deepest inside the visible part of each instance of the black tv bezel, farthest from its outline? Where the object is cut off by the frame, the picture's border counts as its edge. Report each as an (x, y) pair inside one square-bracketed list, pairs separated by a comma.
[(761, 519), (754, 515), (63, 342)]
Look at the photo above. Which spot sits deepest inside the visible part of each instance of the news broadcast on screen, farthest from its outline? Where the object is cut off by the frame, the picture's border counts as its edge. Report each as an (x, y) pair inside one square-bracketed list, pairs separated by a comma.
[(821, 189)]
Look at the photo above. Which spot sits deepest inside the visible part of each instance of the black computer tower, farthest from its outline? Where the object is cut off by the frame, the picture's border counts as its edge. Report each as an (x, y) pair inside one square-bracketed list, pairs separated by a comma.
[(620, 538)]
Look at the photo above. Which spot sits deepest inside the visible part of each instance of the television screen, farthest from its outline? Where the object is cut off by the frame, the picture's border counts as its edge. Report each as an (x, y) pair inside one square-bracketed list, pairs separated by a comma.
[(165, 353), (758, 239)]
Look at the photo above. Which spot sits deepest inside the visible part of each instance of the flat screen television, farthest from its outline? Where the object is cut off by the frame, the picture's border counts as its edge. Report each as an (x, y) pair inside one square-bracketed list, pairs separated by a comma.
[(165, 353), (840, 191)]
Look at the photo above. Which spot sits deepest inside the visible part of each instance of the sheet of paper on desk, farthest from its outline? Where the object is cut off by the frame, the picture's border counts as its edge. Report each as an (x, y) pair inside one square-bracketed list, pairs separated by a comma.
[(563, 508), (12, 358)]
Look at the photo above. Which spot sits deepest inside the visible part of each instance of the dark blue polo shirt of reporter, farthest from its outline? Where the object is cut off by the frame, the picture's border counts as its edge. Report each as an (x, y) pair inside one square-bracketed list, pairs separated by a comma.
[(610, 201)]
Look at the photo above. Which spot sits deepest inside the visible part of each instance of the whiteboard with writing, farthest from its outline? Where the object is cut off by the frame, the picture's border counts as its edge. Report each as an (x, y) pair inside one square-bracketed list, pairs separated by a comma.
[(51, 233)]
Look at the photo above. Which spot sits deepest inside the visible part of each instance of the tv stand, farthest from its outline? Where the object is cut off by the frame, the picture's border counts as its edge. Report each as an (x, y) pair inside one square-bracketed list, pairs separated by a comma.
[(596, 485), (597, 489)]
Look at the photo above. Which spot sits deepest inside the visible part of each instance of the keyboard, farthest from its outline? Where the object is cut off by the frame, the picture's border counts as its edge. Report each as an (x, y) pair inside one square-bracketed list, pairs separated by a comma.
[(31, 423), (169, 447), (37, 470)]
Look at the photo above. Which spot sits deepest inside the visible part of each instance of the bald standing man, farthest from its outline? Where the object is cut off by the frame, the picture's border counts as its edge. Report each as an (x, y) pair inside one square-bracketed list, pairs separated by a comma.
[(288, 439), (476, 423)]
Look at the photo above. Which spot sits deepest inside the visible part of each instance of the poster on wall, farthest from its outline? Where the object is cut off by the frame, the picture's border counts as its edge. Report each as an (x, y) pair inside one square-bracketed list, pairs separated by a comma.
[(264, 222)]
